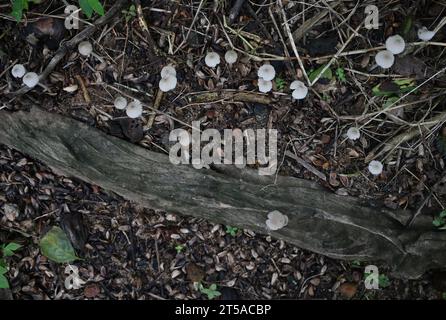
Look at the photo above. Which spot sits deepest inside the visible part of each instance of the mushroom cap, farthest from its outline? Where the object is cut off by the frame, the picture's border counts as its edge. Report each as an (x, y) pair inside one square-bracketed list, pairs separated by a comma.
[(212, 59), (168, 83), (120, 103), (385, 59), (31, 79), (85, 48), (18, 71), (296, 84), (134, 109), (231, 56), (276, 220), (375, 167), (395, 44), (353, 133), (266, 72), (300, 90), (425, 35), (168, 70), (265, 85)]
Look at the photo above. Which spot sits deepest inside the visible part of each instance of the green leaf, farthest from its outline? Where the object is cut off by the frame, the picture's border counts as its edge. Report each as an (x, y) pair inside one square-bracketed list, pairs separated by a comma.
[(97, 6), (56, 246), (442, 214), (9, 249), (383, 281), (86, 8), (340, 73), (17, 9), (328, 74), (3, 270), (4, 284), (13, 246), (437, 222)]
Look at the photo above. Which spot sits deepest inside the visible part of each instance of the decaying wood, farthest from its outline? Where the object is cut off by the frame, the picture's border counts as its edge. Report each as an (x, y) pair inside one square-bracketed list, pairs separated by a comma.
[(338, 227)]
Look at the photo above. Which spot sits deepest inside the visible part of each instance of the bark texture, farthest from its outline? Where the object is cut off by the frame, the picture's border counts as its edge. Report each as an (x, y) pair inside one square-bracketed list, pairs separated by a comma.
[(338, 227)]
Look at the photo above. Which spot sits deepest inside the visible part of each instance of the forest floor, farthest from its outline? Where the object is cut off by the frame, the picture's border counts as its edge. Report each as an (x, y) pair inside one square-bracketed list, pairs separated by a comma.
[(136, 253)]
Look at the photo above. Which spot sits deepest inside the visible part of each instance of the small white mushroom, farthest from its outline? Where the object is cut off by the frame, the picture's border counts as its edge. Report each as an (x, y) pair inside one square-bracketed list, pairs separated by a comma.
[(168, 83), (276, 220), (168, 71), (266, 72), (85, 48), (120, 103), (18, 71), (425, 35), (134, 109), (231, 56), (385, 59), (212, 59), (31, 79), (265, 85), (353, 133), (395, 44), (300, 90), (375, 167)]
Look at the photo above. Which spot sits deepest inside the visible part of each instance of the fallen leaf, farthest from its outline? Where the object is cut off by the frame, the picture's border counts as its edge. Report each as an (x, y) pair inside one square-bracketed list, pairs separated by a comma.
[(92, 291), (348, 289), (194, 272)]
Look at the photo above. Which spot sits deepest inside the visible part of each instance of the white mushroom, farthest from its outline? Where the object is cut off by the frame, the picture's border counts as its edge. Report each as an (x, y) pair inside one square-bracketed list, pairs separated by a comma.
[(31, 79), (375, 167), (353, 133), (264, 85), (425, 35), (120, 103), (300, 90), (266, 72), (18, 71), (168, 83), (134, 109), (385, 59), (395, 44), (85, 48), (231, 56), (168, 71), (212, 59), (276, 220)]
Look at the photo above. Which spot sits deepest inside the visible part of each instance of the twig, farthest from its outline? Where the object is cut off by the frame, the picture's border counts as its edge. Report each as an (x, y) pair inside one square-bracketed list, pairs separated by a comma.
[(235, 10), (306, 165), (293, 44), (84, 89), (156, 105), (423, 204), (143, 24), (354, 34)]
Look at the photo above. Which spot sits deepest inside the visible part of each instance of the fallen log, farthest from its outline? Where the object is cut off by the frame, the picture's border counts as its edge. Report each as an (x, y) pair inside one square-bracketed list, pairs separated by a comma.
[(335, 226)]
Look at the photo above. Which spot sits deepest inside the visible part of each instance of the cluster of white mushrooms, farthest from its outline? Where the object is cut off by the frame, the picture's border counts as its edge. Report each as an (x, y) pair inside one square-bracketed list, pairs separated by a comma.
[(375, 167), (396, 45), (266, 74), (212, 58), (168, 78), (30, 79), (133, 109)]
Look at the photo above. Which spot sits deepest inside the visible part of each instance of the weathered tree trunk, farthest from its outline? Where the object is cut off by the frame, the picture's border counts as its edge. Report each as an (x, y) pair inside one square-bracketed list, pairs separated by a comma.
[(338, 227)]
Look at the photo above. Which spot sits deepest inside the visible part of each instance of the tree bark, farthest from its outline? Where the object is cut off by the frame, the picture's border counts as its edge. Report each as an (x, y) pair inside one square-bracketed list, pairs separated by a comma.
[(338, 227)]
